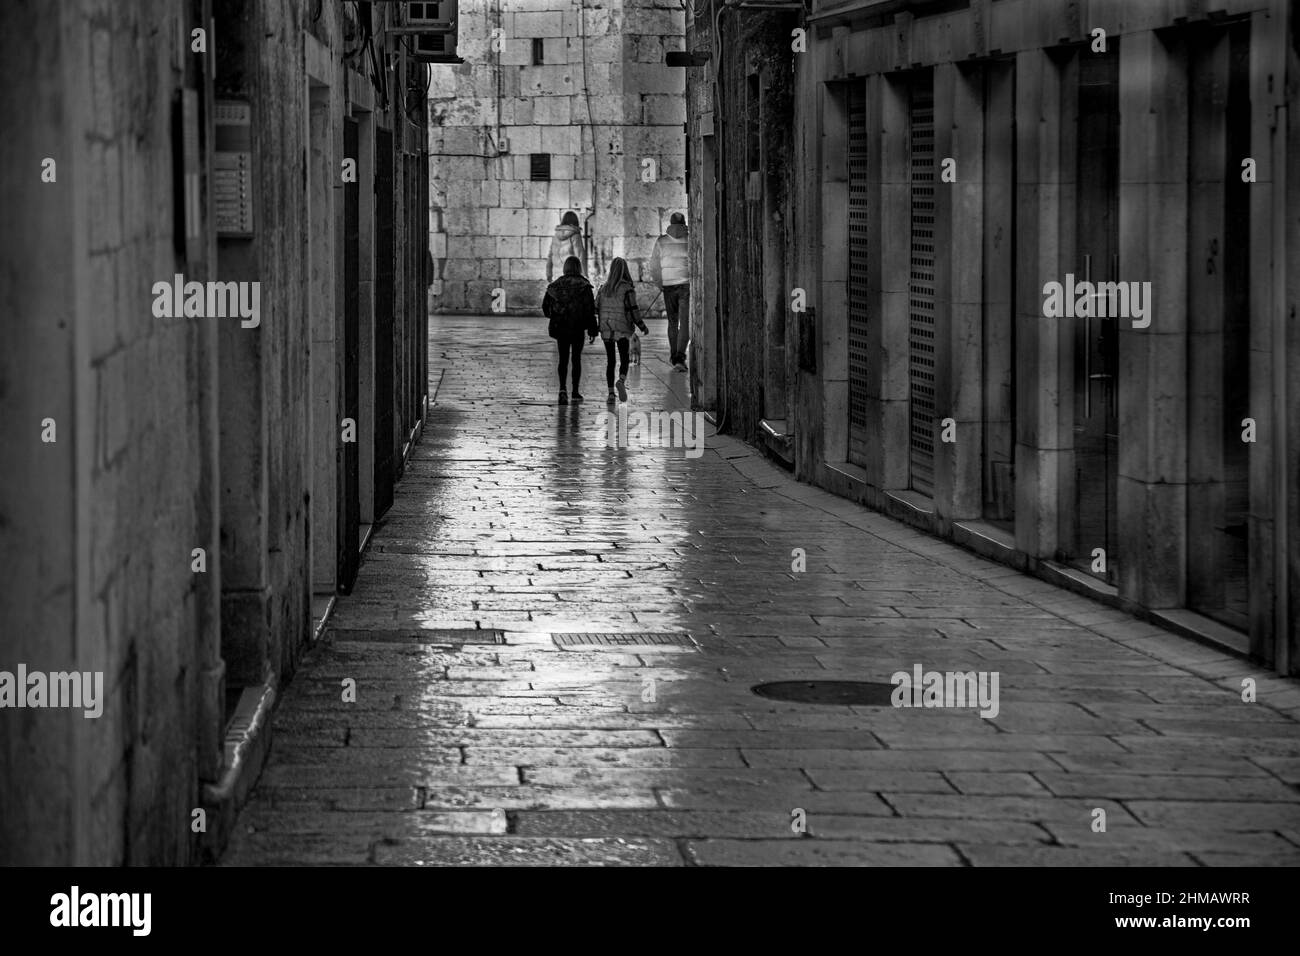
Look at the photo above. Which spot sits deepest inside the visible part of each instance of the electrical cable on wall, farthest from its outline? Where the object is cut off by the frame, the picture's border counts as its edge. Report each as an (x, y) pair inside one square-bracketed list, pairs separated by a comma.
[(591, 132), (496, 145), (378, 76), (361, 32)]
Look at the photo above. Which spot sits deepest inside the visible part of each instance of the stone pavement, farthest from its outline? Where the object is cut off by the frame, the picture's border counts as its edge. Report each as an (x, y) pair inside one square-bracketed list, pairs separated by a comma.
[(515, 515)]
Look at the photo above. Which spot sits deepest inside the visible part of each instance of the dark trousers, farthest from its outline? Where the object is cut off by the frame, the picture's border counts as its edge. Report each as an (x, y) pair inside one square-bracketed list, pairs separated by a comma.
[(624, 356), (570, 348), (677, 303)]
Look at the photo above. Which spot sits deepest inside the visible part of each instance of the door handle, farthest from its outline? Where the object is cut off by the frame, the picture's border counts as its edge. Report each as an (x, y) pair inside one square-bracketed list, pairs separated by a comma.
[(1087, 343)]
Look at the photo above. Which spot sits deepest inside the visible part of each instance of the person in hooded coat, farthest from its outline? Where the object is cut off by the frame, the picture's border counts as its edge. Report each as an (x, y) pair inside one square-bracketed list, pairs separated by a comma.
[(566, 242), (616, 303), (670, 270), (572, 310)]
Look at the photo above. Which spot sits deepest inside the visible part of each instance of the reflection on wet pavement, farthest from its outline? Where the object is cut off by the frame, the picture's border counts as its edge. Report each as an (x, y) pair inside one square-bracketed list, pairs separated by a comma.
[(515, 514)]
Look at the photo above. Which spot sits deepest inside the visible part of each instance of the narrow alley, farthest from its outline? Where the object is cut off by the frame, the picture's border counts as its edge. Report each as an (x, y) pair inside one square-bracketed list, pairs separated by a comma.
[(947, 515), (474, 738)]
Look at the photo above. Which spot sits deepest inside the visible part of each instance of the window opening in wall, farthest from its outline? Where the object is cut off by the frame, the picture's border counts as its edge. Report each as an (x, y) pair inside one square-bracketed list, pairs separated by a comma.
[(539, 51), (539, 167)]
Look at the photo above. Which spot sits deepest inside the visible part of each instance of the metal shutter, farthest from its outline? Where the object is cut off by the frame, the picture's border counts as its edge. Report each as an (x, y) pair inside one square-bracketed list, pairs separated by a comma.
[(858, 352), (921, 338)]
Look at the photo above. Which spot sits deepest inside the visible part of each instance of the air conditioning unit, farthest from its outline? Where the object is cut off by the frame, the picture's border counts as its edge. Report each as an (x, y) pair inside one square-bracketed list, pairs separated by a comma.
[(432, 28)]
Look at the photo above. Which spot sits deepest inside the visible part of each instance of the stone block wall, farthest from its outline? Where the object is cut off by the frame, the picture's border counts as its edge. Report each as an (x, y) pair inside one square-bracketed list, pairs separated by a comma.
[(1021, 395), (97, 525), (598, 116), (132, 439)]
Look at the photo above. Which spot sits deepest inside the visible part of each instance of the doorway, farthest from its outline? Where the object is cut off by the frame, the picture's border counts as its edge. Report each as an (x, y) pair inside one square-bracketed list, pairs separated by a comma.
[(1096, 340), (1218, 501), (385, 427)]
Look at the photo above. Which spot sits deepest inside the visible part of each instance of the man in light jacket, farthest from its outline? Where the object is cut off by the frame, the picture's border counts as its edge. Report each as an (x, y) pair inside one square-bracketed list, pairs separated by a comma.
[(670, 270)]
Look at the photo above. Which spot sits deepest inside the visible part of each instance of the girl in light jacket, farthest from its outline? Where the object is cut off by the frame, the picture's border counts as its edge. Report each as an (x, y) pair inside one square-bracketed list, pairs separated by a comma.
[(566, 242), (616, 304)]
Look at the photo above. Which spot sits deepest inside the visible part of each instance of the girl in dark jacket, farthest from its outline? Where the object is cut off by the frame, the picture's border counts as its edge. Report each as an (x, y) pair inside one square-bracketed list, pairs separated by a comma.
[(618, 315), (572, 310)]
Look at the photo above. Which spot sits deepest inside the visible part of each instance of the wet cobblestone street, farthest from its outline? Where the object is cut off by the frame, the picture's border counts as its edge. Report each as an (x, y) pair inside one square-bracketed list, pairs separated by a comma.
[(514, 515)]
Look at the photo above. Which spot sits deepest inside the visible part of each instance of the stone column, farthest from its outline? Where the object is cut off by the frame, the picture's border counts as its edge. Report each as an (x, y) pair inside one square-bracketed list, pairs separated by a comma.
[(1044, 242), (322, 175), (959, 236), (998, 385), (1287, 258), (1153, 225)]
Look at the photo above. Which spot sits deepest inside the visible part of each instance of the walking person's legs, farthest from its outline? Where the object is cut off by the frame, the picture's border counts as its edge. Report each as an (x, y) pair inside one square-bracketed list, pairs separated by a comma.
[(609, 368), (670, 307), (624, 354), (563, 346), (682, 341), (577, 367)]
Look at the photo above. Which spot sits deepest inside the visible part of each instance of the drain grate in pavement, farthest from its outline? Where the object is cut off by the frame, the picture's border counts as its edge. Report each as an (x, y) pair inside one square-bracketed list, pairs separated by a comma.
[(415, 635), (643, 639), (843, 692)]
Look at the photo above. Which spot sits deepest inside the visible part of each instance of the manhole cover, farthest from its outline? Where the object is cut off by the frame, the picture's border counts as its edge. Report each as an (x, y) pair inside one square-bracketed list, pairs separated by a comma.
[(645, 639), (415, 635), (845, 692)]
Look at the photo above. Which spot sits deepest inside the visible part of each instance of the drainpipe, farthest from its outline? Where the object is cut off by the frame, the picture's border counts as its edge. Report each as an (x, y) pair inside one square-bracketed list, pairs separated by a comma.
[(720, 209), (586, 243), (1281, 524)]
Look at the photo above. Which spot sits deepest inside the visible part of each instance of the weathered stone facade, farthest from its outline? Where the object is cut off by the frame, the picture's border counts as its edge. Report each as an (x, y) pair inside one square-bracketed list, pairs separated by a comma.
[(601, 105), (173, 434), (931, 169)]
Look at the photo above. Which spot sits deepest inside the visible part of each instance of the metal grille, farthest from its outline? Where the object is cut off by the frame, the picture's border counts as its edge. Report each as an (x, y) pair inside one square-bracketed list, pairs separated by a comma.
[(847, 693), (921, 337), (858, 350), (415, 635), (647, 639)]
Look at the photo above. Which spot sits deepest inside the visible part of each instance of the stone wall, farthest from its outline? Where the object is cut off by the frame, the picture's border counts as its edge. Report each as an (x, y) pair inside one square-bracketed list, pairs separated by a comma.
[(754, 146), (168, 434), (599, 117), (97, 525), (1030, 461)]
